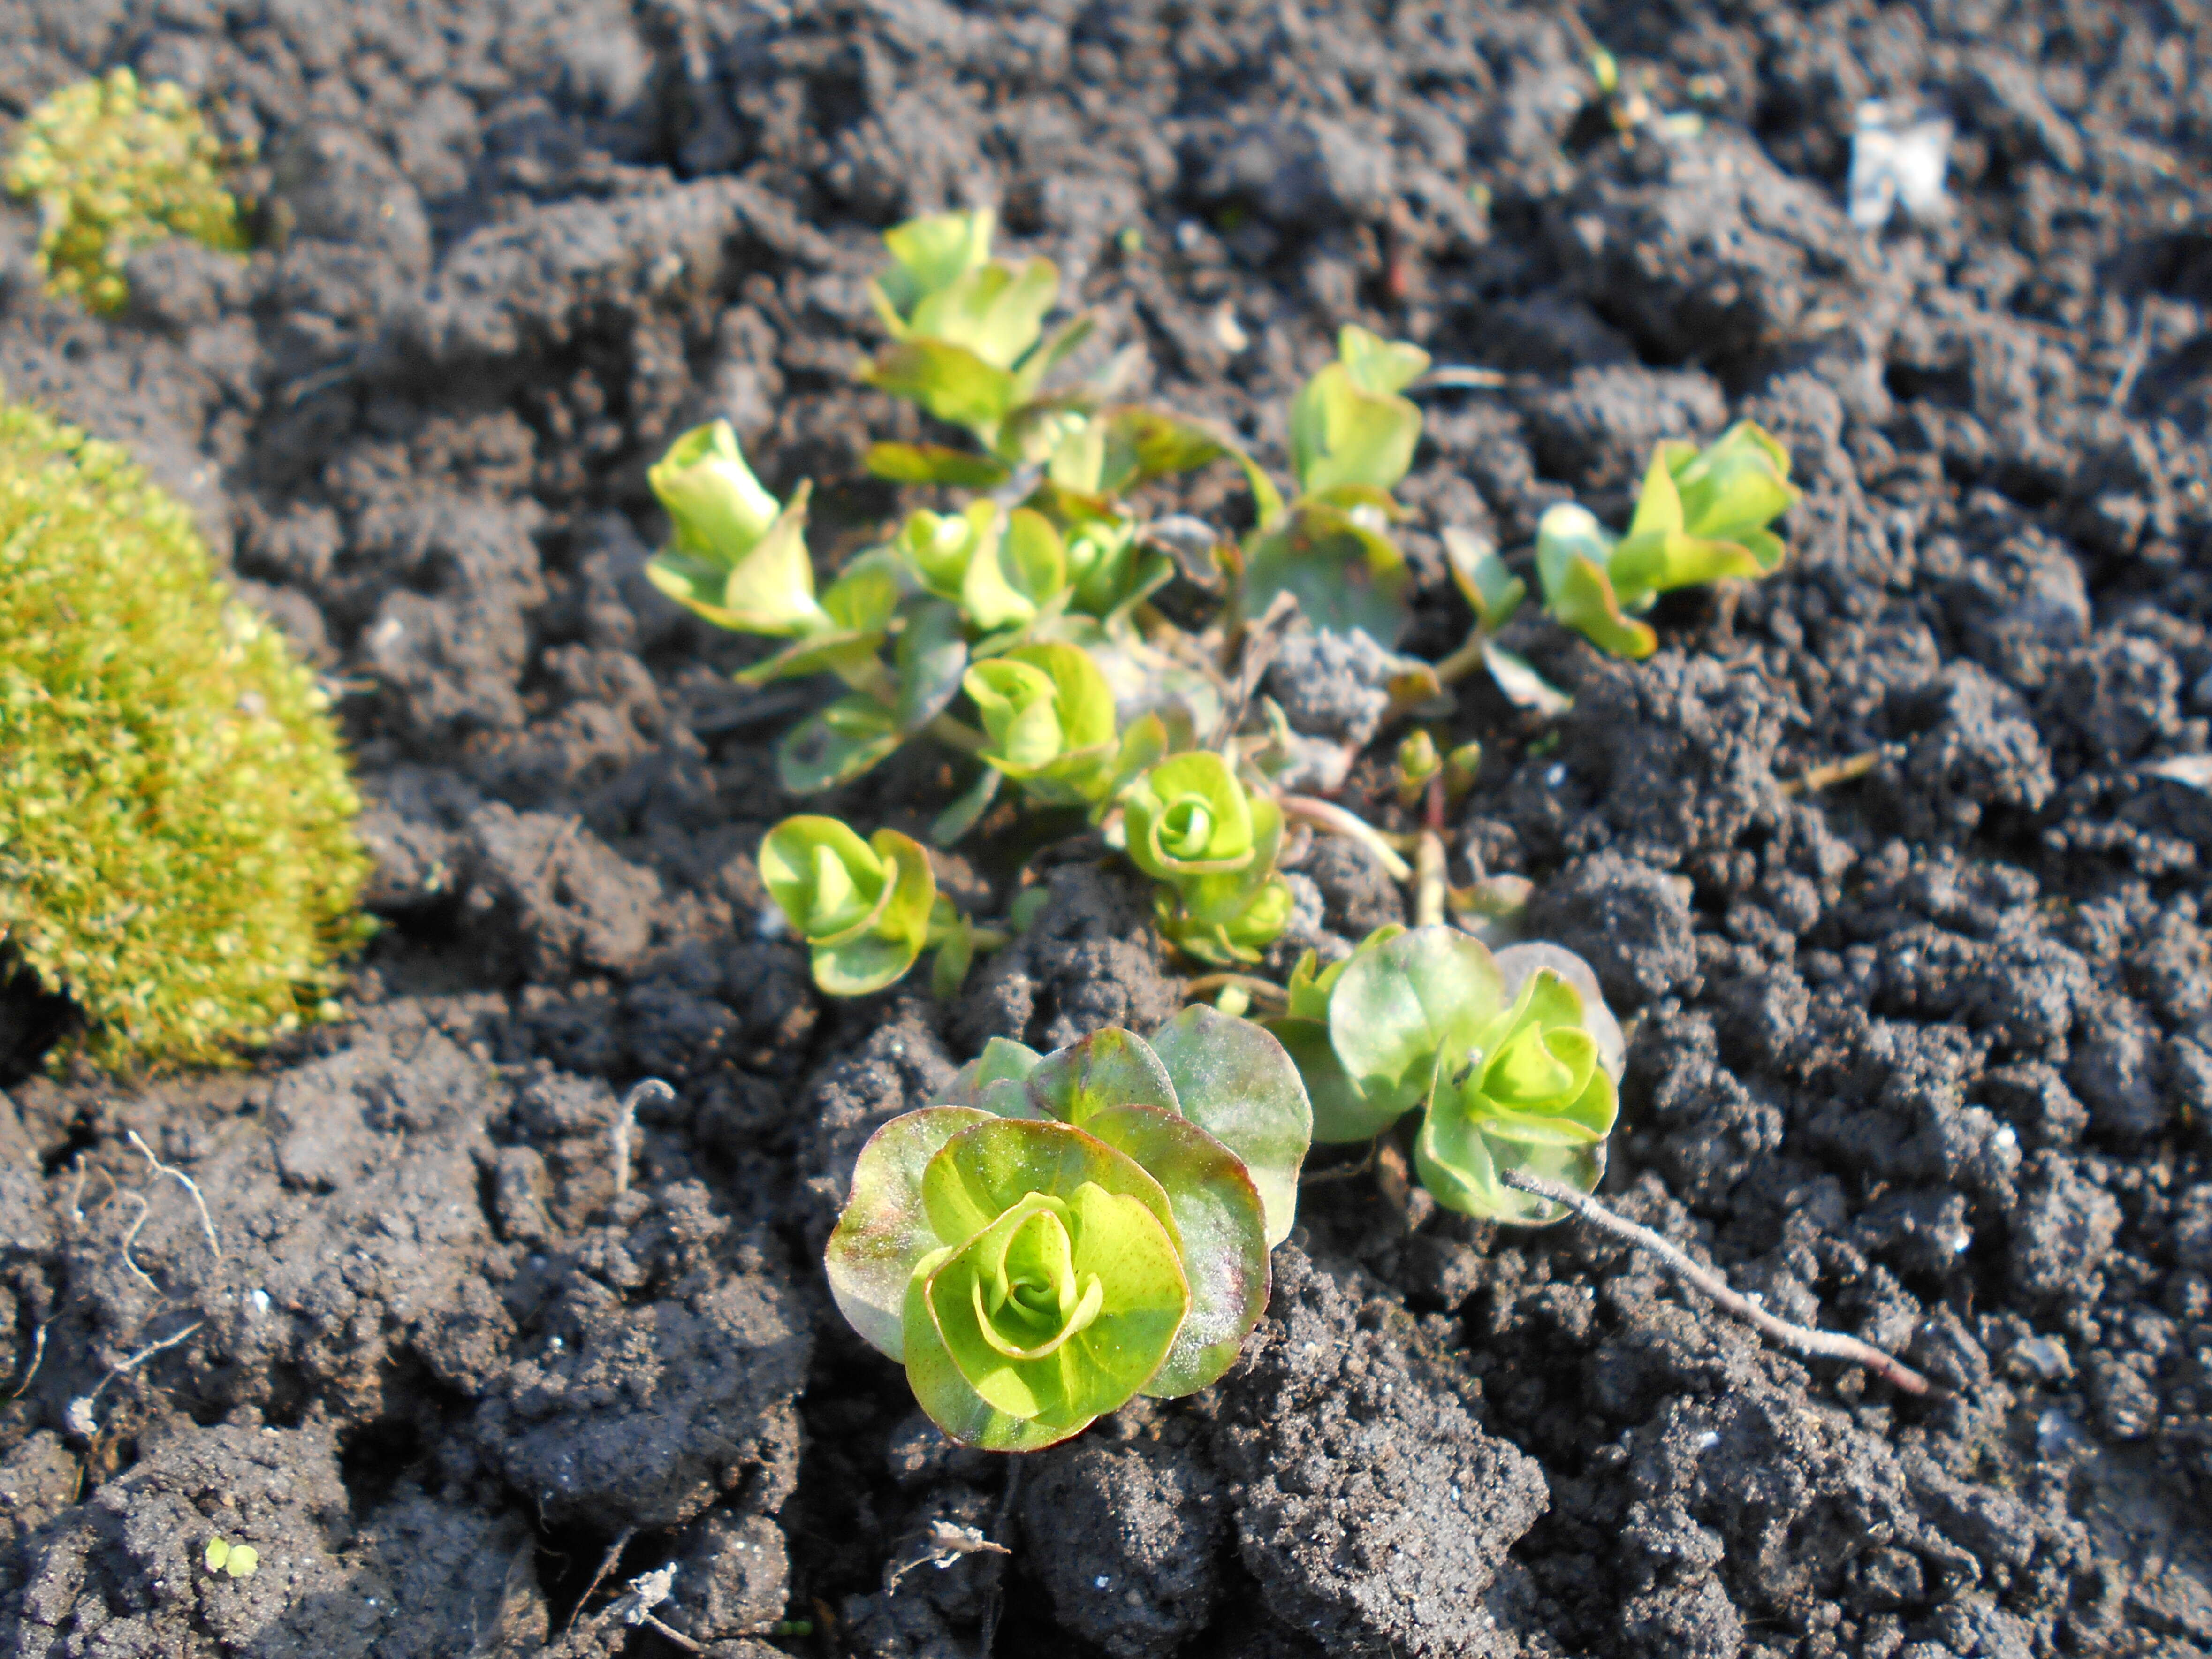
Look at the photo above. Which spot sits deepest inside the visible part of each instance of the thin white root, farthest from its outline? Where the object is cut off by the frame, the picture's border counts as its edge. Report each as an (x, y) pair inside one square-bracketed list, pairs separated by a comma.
[(79, 1416), (207, 1222), (1823, 1345)]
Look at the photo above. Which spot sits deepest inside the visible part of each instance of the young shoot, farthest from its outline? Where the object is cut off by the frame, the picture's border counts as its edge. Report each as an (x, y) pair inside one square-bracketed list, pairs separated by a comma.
[(1701, 516), (969, 346), (238, 1561), (867, 909), (1062, 1232), (1352, 437), (1210, 842), (1513, 1055)]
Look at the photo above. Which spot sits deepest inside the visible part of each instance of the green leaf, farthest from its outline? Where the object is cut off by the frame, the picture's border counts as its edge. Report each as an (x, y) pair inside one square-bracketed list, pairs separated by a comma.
[(1344, 574), (986, 595), (995, 311), (718, 508), (970, 804), (1139, 445), (949, 381), (1109, 1067), (930, 254), (842, 652), (935, 463), (857, 612), (1035, 557), (932, 658), (1459, 1164), (1049, 715), (1491, 592), (1658, 503), (1250, 905), (884, 1230), (1224, 936), (1340, 1112), (836, 744), (1233, 1078), (1345, 432), (1571, 551), (863, 908), (1566, 533), (990, 1167), (939, 548), (1221, 1220), (955, 937), (1003, 1060), (1645, 565), (977, 1322), (1534, 1091), (1400, 1003), (1190, 816), (1376, 365), (767, 587), (1738, 483)]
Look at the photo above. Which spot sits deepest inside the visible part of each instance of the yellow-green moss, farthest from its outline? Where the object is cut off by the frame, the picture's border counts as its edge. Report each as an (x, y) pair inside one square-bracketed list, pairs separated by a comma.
[(112, 167), (176, 847)]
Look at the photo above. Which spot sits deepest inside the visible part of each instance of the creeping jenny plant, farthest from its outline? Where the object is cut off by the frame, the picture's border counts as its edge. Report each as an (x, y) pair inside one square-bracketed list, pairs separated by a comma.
[(1701, 516), (114, 166), (1514, 1055), (1063, 1232), (176, 847)]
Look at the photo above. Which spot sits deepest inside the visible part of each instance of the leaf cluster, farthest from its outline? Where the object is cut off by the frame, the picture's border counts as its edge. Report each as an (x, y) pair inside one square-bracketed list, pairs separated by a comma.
[(114, 166), (1062, 1232), (177, 842), (1513, 1058), (1701, 516), (1352, 436)]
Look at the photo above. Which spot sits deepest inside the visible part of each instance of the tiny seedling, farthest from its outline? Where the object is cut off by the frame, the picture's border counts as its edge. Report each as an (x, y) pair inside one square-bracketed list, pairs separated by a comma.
[(1062, 1232), (1514, 1055), (867, 909), (1701, 516), (1352, 436), (1193, 826), (238, 1560)]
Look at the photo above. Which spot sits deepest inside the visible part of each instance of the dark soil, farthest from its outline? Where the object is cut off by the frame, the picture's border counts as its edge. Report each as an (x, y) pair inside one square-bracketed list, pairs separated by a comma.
[(1925, 1055)]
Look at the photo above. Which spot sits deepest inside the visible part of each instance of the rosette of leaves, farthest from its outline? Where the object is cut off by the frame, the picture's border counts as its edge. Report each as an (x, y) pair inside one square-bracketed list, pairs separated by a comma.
[(969, 346), (1352, 437), (738, 558), (1065, 1231), (1701, 516), (1514, 1055), (1048, 714), (863, 907), (1192, 826)]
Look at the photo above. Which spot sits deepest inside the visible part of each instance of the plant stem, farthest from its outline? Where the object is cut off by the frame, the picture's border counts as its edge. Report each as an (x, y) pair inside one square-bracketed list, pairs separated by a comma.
[(981, 939), (1823, 1345), (1262, 989), (1429, 880), (1835, 772), (1463, 661), (956, 734), (1327, 814)]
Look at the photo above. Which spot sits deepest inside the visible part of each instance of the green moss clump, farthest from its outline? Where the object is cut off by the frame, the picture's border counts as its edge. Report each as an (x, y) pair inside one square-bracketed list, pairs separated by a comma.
[(176, 847), (112, 167)]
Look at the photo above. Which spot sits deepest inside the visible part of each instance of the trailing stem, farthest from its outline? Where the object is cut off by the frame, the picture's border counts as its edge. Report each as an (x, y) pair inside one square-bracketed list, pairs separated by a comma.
[(1823, 1345), (1327, 814)]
